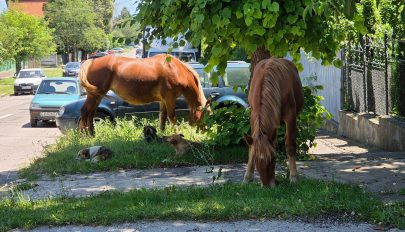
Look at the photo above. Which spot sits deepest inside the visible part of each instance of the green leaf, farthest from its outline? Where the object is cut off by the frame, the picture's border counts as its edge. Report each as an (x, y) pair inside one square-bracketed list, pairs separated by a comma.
[(239, 14), (215, 19), (248, 21), (274, 7), (199, 18)]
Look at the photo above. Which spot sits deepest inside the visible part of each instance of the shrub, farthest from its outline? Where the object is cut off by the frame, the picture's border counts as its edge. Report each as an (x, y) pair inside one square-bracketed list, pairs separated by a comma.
[(228, 125)]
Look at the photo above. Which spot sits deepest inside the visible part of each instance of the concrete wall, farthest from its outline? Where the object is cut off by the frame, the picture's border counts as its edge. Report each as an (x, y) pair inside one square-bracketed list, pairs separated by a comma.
[(384, 132)]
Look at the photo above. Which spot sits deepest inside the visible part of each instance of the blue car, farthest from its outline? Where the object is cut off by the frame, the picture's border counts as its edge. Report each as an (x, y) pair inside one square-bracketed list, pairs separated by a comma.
[(51, 94), (112, 106)]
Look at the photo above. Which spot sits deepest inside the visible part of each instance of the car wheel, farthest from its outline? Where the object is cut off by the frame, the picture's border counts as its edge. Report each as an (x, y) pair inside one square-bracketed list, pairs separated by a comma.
[(101, 116), (16, 94), (34, 122)]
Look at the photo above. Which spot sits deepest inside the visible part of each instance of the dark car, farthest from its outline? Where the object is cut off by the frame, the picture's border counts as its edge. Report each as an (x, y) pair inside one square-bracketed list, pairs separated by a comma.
[(112, 106), (71, 69)]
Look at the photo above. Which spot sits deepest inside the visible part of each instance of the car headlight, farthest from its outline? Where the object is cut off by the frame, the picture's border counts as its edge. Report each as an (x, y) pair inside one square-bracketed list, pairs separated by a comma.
[(35, 106), (16, 84), (61, 111)]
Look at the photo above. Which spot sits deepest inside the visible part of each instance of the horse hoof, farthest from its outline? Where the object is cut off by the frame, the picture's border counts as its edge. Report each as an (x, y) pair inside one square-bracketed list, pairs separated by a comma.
[(247, 179), (293, 179)]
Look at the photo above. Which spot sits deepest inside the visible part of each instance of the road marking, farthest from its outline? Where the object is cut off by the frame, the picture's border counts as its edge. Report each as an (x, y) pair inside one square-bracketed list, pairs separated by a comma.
[(5, 116)]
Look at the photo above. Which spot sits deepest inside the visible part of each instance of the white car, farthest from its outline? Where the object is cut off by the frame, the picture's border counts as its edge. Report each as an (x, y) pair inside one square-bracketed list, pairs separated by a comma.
[(28, 80)]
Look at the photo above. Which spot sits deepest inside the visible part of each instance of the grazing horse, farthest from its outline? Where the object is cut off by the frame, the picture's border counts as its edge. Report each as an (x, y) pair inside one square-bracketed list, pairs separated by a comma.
[(275, 96), (160, 78)]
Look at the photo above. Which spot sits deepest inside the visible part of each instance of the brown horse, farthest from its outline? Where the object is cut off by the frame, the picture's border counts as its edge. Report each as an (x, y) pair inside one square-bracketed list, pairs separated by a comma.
[(275, 96), (160, 78)]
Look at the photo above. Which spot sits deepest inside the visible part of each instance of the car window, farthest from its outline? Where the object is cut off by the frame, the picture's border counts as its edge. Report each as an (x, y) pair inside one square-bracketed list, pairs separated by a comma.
[(237, 76), (183, 56), (29, 74), (204, 77), (57, 87), (72, 65)]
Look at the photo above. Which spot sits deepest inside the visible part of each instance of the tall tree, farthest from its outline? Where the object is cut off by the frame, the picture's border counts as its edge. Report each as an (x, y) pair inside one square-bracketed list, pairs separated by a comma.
[(104, 10), (23, 36), (261, 28), (124, 28), (75, 26)]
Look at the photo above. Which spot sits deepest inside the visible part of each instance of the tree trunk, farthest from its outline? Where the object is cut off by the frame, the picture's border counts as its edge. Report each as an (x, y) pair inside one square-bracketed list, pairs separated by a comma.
[(17, 65), (260, 54)]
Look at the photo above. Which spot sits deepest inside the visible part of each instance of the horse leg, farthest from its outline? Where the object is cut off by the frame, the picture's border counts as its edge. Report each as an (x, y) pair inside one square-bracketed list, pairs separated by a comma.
[(87, 113), (250, 170), (163, 116), (171, 112), (290, 146)]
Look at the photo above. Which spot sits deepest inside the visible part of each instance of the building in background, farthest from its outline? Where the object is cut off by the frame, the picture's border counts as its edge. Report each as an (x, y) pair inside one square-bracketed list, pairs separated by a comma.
[(31, 7)]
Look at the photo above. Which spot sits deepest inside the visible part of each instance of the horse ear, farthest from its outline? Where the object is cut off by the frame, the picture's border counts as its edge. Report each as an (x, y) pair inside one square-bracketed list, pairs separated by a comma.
[(248, 139)]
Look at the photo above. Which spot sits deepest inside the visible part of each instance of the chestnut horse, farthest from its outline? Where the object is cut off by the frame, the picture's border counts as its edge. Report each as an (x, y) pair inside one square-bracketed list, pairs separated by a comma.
[(160, 78), (275, 96)]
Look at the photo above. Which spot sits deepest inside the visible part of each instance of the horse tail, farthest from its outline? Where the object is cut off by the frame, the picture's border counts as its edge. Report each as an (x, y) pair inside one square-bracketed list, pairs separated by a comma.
[(83, 77), (201, 97)]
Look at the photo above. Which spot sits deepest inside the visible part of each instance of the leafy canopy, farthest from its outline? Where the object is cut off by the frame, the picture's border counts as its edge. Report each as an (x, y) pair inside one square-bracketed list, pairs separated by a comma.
[(280, 26), (23, 36), (76, 25)]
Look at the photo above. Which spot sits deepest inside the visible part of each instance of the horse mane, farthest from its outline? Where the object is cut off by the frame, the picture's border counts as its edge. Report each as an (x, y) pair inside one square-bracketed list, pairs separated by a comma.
[(83, 78), (201, 97), (266, 105)]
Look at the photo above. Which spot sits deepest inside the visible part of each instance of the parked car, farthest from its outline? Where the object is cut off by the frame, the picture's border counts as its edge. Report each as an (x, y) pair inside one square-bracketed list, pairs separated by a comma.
[(112, 106), (118, 50), (27, 80), (51, 95), (71, 69)]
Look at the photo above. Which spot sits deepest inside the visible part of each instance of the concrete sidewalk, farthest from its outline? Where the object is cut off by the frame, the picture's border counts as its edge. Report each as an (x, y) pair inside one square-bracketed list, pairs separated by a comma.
[(337, 159)]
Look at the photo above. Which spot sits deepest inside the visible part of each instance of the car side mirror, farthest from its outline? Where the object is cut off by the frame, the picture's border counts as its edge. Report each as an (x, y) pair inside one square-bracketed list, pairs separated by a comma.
[(15, 75)]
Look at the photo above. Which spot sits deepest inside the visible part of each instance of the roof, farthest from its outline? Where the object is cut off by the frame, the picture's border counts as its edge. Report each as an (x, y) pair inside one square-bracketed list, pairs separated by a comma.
[(31, 7), (61, 79), (30, 69)]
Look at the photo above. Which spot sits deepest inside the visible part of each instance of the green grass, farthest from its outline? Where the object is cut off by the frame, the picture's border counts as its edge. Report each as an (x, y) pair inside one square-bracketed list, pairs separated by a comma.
[(53, 72), (130, 151), (6, 86), (309, 199)]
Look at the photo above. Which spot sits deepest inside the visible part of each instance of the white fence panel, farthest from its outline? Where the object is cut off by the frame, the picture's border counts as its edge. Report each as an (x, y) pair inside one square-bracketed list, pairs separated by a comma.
[(329, 77)]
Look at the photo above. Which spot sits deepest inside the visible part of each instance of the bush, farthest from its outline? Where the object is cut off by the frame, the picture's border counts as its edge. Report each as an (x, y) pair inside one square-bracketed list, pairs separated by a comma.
[(228, 125)]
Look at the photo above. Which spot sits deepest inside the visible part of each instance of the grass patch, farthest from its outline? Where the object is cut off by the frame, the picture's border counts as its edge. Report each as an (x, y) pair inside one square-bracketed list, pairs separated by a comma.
[(308, 199), (130, 150), (6, 86), (53, 72)]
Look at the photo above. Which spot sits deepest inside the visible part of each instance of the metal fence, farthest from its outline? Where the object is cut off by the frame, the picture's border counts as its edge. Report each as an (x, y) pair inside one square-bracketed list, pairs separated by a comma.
[(367, 75), (7, 66)]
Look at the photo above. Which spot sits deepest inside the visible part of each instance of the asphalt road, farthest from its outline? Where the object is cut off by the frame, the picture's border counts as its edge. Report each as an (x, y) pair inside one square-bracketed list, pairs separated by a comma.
[(19, 143)]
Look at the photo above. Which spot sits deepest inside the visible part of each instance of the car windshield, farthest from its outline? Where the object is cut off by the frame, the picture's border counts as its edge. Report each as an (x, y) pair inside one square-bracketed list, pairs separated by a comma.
[(29, 74), (204, 77), (57, 87), (237, 76), (73, 65), (183, 56)]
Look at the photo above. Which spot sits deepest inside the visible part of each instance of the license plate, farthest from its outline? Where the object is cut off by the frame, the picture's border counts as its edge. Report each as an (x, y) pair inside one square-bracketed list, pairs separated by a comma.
[(25, 87), (48, 114)]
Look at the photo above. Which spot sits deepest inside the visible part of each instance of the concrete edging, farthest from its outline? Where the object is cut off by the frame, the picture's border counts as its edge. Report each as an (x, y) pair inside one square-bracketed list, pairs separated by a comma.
[(384, 131)]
